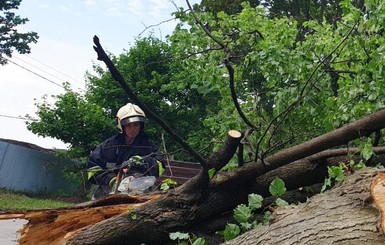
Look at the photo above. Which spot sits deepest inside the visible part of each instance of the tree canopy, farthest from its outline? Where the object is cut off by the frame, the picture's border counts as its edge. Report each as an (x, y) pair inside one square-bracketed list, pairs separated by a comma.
[(11, 38), (291, 89)]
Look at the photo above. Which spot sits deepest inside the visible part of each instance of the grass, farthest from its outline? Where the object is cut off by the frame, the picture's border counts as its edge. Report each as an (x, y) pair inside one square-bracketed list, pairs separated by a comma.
[(18, 201)]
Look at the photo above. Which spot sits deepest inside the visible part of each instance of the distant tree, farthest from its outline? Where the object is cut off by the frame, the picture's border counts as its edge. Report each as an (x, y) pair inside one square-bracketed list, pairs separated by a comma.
[(227, 6), (303, 10), (10, 38), (72, 119)]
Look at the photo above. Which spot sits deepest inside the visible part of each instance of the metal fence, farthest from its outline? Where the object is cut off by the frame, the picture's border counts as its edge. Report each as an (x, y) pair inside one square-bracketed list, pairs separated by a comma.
[(33, 170)]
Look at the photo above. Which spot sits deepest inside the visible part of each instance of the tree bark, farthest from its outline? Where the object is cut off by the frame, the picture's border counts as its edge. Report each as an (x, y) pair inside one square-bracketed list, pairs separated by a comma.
[(343, 215)]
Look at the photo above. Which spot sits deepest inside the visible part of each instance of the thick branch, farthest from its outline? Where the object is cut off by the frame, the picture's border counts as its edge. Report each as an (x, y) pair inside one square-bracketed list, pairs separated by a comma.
[(311, 170), (221, 157), (337, 137), (234, 96)]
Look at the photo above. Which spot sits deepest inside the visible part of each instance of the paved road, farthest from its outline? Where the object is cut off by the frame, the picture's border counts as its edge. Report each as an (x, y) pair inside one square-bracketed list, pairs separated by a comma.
[(8, 231)]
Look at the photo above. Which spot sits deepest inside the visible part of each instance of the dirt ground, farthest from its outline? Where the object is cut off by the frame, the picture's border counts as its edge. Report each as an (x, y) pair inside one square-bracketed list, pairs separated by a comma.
[(8, 231)]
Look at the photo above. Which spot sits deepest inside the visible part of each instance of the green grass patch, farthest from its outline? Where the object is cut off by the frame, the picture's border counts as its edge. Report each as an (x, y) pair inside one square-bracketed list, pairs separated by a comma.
[(18, 201)]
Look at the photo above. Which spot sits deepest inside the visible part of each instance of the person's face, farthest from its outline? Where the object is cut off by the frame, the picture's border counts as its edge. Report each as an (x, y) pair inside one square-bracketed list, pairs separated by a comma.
[(131, 130)]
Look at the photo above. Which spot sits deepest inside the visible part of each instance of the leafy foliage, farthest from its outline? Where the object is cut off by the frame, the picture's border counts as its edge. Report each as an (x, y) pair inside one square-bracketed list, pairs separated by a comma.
[(72, 120), (227, 6), (185, 239), (284, 84), (306, 10), (246, 216), (335, 173), (11, 38)]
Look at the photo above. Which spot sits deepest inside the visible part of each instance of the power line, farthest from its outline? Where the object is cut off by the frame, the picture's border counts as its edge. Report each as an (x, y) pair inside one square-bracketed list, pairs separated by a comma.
[(37, 74), (19, 118), (34, 73), (38, 68), (60, 72)]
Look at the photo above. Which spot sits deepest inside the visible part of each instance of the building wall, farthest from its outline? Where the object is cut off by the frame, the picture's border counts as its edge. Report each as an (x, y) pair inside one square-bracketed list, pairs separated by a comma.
[(33, 171)]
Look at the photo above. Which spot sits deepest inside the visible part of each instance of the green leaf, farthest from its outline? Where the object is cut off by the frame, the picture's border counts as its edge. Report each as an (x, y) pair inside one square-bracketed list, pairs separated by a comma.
[(266, 217), (359, 165), (246, 226), (178, 235), (367, 152), (211, 173), (327, 183), (255, 201), (242, 213), (281, 202), (167, 183), (199, 241), (277, 187), (231, 231), (337, 173)]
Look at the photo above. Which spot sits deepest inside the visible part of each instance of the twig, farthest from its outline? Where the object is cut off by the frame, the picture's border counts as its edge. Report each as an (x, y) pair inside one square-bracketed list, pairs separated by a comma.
[(166, 155), (154, 25)]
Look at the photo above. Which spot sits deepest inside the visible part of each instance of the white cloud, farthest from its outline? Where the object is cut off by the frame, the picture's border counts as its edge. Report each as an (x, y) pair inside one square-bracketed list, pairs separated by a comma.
[(43, 5), (90, 2), (66, 8), (135, 7)]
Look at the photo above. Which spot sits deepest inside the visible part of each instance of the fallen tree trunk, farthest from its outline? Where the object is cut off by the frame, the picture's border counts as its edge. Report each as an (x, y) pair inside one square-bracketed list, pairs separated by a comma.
[(186, 207), (343, 215)]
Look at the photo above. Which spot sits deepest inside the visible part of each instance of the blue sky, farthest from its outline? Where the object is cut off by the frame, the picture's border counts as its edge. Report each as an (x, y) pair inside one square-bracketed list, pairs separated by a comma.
[(64, 51)]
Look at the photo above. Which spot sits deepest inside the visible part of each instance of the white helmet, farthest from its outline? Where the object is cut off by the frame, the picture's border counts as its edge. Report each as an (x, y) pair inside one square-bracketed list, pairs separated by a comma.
[(128, 114)]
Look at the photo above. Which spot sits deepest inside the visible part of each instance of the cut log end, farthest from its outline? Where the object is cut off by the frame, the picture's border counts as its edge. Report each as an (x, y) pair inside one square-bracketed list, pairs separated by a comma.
[(377, 191), (235, 134)]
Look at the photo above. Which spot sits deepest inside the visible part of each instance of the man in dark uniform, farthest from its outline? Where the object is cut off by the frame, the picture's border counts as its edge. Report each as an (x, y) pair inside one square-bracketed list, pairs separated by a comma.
[(130, 147)]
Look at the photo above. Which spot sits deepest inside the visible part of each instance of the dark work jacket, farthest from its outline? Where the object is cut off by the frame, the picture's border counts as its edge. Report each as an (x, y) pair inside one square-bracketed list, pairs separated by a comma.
[(114, 150)]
